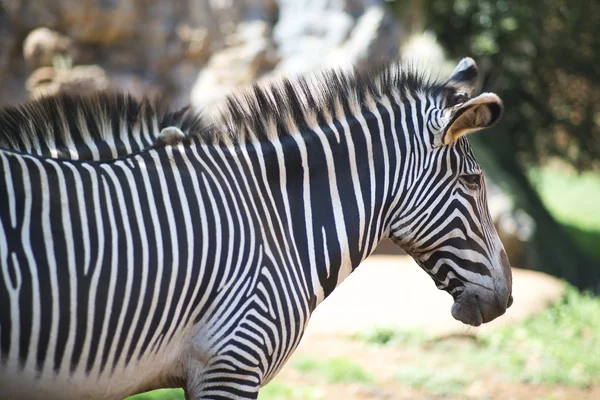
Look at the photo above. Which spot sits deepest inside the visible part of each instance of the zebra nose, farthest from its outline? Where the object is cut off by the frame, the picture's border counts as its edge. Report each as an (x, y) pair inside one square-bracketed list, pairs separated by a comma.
[(510, 301)]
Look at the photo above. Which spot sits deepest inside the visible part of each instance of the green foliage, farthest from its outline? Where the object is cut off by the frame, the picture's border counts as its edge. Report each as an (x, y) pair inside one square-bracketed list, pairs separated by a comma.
[(561, 189), (441, 383), (573, 200), (275, 390), (561, 345), (333, 370), (543, 58), (386, 336), (162, 394), (278, 391)]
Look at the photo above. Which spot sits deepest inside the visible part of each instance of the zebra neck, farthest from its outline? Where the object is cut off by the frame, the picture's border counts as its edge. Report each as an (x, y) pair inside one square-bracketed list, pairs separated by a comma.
[(335, 185)]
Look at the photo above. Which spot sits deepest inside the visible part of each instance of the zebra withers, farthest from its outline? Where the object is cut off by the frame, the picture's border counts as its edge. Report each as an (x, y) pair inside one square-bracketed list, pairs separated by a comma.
[(196, 262), (96, 127)]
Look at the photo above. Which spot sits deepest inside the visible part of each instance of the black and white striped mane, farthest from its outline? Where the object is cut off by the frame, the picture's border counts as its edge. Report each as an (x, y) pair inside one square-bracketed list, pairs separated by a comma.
[(291, 105), (65, 121)]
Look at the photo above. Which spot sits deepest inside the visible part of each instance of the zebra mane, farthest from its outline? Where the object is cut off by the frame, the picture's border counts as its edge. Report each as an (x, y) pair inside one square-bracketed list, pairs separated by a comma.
[(285, 106), (266, 111), (64, 120)]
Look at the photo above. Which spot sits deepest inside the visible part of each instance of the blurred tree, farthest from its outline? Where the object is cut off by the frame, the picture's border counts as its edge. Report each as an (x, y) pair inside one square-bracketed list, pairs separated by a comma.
[(543, 58)]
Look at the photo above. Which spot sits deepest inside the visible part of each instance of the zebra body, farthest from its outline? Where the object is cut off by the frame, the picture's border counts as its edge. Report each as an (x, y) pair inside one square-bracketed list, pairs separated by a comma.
[(158, 299), (197, 264)]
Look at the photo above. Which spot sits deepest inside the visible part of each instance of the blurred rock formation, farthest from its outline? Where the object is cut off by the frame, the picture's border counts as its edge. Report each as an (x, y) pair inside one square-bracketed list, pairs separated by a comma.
[(303, 36), (167, 48), (142, 46)]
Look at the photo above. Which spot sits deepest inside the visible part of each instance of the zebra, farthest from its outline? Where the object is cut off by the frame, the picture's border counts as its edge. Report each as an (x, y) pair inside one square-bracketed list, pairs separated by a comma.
[(196, 259), (100, 126)]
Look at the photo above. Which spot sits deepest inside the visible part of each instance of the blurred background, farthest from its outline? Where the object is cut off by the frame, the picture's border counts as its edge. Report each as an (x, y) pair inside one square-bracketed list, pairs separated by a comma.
[(542, 164)]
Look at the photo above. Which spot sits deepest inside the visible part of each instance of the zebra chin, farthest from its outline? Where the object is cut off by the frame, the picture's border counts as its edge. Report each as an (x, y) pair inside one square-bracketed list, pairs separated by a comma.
[(477, 305)]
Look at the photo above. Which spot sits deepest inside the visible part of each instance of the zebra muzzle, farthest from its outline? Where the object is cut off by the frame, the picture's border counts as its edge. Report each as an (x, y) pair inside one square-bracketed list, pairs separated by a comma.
[(478, 305)]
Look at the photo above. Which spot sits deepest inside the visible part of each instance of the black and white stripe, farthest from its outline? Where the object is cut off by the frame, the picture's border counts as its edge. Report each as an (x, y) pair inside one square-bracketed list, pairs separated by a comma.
[(198, 263), (97, 126)]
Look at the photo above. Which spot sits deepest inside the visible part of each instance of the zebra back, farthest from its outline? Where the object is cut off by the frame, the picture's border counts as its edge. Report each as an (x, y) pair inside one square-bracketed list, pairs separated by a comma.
[(97, 126)]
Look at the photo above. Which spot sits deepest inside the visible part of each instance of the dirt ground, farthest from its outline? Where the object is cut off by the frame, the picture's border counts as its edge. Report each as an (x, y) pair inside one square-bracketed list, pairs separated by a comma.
[(381, 362), (391, 291)]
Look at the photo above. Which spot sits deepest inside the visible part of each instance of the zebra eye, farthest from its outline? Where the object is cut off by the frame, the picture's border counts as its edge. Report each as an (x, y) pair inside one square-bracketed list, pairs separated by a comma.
[(473, 181)]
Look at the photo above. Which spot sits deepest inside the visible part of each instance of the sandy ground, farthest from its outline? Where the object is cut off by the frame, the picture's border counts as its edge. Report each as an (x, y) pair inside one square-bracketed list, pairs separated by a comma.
[(392, 291), (383, 362)]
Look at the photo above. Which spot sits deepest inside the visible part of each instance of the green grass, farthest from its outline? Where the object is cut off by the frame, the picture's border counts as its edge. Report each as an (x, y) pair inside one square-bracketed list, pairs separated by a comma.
[(571, 197), (574, 200), (561, 345), (275, 390), (389, 336), (437, 382), (333, 370), (162, 394)]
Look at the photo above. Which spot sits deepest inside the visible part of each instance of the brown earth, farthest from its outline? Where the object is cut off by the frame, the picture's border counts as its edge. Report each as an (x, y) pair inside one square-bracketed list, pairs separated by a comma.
[(391, 291), (382, 362)]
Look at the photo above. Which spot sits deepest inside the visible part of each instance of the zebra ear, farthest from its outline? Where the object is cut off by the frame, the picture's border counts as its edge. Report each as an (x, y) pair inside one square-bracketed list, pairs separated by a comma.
[(478, 113), (464, 76)]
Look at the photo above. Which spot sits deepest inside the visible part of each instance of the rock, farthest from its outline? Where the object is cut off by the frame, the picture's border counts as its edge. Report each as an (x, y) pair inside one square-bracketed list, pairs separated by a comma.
[(249, 53), (42, 46), (141, 39), (374, 39), (307, 35), (80, 79), (341, 33), (195, 41), (165, 47), (101, 22)]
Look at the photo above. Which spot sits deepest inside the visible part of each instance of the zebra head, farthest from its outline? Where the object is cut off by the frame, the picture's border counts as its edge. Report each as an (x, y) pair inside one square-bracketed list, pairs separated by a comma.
[(444, 222)]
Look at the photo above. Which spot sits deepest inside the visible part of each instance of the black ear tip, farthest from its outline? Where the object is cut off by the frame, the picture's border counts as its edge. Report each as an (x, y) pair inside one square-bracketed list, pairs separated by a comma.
[(465, 71), (466, 75)]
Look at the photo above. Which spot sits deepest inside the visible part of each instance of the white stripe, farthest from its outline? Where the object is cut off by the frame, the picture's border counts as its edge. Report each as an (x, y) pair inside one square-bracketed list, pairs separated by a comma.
[(48, 234), (13, 292), (173, 248), (10, 190), (153, 212), (67, 230), (124, 136), (96, 271), (145, 256), (124, 223), (317, 288), (367, 135), (83, 217), (204, 236), (188, 240), (110, 297), (345, 267)]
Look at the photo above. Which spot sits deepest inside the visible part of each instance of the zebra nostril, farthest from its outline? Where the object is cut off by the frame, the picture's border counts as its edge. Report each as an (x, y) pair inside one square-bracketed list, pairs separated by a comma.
[(510, 301)]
